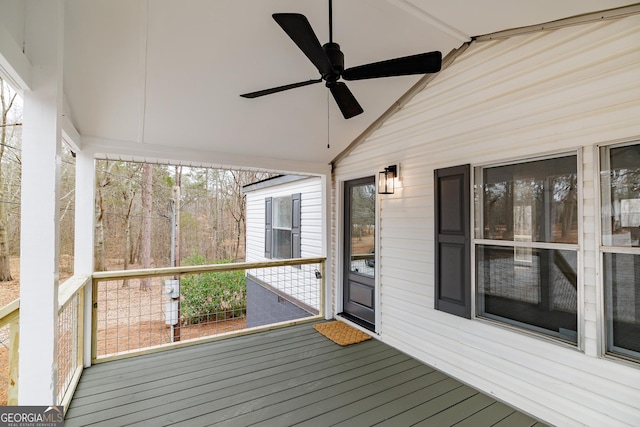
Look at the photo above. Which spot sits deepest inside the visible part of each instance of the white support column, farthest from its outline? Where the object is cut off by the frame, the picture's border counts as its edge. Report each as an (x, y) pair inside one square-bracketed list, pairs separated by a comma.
[(327, 238), (84, 232), (39, 247)]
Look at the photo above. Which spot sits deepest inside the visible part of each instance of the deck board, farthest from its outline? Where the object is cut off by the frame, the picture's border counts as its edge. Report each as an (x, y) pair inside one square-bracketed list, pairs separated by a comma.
[(288, 376), (253, 373), (285, 387), (490, 415)]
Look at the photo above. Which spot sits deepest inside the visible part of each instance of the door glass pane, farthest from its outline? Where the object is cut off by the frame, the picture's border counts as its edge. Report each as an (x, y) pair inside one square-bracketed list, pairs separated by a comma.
[(362, 229)]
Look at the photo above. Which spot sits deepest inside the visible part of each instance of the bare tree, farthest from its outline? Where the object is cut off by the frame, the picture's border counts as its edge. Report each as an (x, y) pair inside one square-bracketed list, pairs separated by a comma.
[(67, 209), (205, 205), (147, 207), (102, 181), (129, 191)]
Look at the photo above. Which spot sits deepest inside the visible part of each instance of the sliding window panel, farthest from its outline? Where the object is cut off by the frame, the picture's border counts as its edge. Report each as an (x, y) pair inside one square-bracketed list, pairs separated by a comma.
[(622, 295), (538, 294)]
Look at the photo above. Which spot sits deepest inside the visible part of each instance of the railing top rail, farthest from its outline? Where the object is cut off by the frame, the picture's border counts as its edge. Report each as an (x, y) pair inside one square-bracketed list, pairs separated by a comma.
[(9, 311), (70, 287), (66, 291), (172, 271)]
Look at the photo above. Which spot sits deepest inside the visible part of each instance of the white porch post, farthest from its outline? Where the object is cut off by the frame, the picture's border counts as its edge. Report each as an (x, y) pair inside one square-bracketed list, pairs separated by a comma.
[(327, 239), (39, 247), (84, 235), (85, 185)]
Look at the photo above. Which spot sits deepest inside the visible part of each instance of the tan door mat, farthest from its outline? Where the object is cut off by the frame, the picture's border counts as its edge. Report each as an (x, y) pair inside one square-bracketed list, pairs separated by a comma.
[(341, 333)]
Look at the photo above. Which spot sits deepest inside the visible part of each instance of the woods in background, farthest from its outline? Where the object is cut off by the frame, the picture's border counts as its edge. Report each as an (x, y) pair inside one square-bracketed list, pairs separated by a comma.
[(147, 212), (10, 168)]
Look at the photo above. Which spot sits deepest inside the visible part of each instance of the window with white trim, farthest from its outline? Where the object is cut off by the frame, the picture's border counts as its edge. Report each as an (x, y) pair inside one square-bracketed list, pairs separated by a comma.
[(282, 227), (526, 245), (620, 246)]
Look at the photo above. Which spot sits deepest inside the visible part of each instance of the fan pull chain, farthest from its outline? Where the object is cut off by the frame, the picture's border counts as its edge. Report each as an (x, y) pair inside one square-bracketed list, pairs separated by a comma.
[(328, 118)]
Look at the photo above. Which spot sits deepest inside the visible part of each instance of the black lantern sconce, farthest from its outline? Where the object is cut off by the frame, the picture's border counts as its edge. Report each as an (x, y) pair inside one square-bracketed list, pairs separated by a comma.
[(386, 179)]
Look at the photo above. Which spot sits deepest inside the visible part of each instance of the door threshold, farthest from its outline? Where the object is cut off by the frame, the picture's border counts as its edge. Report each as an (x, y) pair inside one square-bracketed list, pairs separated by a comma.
[(367, 325)]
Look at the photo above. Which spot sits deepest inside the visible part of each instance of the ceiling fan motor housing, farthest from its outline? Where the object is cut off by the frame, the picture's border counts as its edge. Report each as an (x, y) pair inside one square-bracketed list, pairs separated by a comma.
[(336, 57)]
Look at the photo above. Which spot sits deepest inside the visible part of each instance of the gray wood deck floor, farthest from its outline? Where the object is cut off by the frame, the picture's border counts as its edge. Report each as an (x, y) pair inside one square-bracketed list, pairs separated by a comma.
[(290, 376)]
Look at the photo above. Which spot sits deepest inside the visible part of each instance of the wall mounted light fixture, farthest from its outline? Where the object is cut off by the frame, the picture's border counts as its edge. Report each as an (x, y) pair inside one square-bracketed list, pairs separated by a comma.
[(386, 179)]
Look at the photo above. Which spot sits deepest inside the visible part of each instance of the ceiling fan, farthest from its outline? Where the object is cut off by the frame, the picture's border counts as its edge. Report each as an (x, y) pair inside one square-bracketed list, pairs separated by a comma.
[(329, 60)]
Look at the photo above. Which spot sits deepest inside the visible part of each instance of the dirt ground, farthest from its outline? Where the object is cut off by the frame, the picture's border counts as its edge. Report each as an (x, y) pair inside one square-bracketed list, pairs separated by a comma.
[(123, 338), (131, 318), (11, 290)]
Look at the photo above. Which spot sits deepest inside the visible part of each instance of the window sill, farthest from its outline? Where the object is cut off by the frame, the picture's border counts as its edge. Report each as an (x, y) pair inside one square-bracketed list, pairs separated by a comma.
[(530, 334)]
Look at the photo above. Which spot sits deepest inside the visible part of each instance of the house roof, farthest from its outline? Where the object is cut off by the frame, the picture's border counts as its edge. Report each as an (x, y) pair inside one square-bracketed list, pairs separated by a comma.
[(161, 79), (272, 182)]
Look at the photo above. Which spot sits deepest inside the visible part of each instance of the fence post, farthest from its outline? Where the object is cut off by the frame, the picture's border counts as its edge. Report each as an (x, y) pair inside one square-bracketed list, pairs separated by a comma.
[(79, 347), (94, 320), (14, 340)]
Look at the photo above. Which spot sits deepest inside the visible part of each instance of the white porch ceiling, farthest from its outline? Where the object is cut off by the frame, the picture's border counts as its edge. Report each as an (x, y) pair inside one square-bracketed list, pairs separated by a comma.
[(162, 78)]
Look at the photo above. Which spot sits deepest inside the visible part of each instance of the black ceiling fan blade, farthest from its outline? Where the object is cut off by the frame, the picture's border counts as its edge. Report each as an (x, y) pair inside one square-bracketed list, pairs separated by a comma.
[(279, 89), (346, 101), (422, 63), (299, 30)]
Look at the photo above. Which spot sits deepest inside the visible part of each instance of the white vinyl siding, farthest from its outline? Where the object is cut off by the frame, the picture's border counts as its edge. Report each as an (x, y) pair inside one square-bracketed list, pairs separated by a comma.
[(543, 93)]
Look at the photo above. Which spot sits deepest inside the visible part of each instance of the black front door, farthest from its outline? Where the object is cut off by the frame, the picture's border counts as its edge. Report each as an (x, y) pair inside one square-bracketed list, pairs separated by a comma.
[(359, 257)]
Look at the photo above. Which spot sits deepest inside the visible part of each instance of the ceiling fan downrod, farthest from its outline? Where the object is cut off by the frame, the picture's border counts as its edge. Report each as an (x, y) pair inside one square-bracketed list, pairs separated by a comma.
[(330, 21)]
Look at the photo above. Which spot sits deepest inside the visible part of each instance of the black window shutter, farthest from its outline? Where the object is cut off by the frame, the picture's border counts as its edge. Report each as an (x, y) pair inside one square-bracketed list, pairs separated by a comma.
[(452, 240), (268, 220), (296, 214)]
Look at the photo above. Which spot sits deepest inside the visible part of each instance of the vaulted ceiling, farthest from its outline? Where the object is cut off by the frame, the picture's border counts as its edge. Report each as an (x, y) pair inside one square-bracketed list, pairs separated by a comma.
[(163, 77)]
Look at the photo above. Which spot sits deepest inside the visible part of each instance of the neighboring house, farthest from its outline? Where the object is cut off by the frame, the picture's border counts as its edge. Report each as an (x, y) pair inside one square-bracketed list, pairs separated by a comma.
[(509, 253), (284, 221)]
